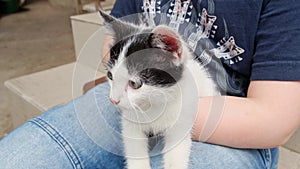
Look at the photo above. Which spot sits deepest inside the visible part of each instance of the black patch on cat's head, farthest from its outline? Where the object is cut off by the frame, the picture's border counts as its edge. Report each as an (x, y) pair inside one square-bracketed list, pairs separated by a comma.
[(155, 66), (150, 54), (115, 52), (138, 42)]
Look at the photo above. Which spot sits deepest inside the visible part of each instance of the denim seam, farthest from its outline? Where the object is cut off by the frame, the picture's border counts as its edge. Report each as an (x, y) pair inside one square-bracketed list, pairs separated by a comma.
[(60, 140), (268, 158)]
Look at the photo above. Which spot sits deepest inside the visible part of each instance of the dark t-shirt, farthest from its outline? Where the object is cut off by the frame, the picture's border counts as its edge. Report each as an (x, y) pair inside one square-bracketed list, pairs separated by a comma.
[(238, 40)]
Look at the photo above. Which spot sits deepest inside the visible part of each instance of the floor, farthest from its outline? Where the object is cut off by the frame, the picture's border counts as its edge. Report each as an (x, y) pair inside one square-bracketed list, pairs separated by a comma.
[(37, 38)]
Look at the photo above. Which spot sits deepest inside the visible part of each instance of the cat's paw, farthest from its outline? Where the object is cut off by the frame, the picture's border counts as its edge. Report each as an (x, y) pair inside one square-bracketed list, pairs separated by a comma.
[(138, 164), (176, 165)]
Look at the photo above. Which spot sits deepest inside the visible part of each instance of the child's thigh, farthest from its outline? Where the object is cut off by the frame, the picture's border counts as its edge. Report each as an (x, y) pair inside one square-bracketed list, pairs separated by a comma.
[(84, 133)]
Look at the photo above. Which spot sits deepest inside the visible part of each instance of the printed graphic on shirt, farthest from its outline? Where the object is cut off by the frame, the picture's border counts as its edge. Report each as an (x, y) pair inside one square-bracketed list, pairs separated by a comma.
[(229, 51), (150, 8), (180, 11), (205, 29), (199, 33)]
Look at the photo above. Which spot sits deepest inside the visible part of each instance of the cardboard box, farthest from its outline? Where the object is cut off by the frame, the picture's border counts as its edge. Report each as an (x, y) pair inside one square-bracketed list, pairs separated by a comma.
[(83, 27)]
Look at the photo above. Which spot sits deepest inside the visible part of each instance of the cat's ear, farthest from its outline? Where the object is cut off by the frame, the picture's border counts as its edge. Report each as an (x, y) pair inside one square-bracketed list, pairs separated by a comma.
[(167, 39), (118, 28)]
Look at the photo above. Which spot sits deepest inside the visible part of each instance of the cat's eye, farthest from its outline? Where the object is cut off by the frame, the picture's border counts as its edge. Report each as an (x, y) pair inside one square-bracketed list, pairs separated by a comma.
[(109, 75), (135, 84)]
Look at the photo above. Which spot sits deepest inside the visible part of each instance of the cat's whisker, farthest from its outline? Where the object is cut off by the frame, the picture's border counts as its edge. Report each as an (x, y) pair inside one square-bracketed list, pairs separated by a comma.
[(136, 113), (159, 94), (145, 115)]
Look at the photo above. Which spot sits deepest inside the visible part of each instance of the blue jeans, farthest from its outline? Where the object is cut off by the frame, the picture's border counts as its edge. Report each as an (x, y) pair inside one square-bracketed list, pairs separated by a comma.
[(85, 133)]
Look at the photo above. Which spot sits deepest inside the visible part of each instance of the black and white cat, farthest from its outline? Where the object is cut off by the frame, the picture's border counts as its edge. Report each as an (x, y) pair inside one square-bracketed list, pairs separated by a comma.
[(156, 83)]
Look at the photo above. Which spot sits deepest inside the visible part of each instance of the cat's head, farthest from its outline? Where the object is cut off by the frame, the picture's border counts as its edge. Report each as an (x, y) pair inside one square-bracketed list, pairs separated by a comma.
[(145, 64)]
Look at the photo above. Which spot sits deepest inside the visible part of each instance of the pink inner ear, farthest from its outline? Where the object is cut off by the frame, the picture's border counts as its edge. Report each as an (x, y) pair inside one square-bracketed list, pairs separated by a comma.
[(172, 44), (170, 40)]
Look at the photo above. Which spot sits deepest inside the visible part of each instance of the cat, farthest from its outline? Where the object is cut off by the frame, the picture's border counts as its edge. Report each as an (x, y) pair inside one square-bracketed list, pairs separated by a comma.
[(156, 83)]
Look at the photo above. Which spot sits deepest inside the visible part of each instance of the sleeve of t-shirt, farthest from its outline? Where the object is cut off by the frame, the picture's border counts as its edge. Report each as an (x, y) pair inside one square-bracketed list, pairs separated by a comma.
[(124, 8), (277, 54)]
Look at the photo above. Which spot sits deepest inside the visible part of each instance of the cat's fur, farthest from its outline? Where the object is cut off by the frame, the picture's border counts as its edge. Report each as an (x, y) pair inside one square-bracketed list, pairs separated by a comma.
[(156, 83)]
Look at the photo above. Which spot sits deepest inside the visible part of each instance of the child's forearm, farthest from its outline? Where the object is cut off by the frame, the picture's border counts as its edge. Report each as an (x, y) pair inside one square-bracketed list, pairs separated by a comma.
[(265, 119)]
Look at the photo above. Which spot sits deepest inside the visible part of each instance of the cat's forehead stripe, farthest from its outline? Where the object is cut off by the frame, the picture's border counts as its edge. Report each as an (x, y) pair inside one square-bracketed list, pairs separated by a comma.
[(139, 42), (128, 45), (118, 51)]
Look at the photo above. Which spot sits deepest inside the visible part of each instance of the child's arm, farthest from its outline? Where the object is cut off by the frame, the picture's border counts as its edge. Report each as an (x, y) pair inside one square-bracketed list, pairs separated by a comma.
[(266, 118)]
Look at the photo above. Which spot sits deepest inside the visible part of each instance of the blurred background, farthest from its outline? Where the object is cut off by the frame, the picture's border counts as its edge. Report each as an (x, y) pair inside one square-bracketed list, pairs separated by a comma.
[(35, 35)]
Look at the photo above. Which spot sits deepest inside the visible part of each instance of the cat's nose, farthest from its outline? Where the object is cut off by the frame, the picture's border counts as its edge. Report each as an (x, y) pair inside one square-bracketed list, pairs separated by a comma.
[(114, 101)]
